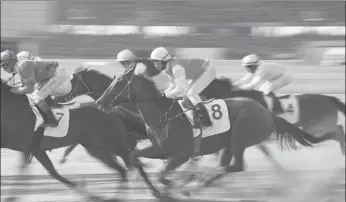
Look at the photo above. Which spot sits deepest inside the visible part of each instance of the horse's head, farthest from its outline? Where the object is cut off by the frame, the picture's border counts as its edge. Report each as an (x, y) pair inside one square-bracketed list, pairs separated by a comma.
[(130, 87), (86, 82)]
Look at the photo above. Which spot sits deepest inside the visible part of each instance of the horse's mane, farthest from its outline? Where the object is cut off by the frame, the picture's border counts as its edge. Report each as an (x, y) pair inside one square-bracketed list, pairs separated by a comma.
[(225, 80), (149, 82), (98, 73)]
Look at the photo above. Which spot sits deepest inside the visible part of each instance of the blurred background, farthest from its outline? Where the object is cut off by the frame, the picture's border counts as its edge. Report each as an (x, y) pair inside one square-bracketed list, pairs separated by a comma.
[(218, 29), (305, 36)]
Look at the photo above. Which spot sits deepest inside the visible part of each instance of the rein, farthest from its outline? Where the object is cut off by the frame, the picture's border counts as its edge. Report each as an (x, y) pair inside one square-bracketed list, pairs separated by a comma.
[(80, 81)]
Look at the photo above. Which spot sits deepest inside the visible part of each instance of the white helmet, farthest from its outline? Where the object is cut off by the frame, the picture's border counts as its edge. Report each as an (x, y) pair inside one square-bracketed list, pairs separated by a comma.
[(125, 55), (251, 59), (160, 54), (25, 55), (37, 59)]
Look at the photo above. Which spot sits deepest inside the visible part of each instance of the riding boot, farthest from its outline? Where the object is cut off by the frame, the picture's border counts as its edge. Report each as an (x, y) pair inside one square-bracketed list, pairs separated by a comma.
[(277, 108), (197, 145), (203, 115), (48, 116)]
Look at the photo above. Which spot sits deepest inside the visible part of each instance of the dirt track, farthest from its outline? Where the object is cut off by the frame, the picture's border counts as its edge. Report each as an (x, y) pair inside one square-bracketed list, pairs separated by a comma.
[(312, 169)]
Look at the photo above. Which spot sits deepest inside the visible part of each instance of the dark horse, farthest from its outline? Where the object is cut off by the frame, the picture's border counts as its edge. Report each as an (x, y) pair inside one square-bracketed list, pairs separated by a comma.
[(171, 132), (318, 114), (321, 122), (101, 134), (93, 83)]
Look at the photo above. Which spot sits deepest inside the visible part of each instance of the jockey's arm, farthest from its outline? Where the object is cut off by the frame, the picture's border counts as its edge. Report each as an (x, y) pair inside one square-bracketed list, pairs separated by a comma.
[(180, 82), (171, 85), (141, 69), (28, 81), (243, 80)]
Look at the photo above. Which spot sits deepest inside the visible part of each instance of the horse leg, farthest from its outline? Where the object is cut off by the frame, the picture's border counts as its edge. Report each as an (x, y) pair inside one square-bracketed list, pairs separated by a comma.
[(338, 135), (172, 164), (237, 166), (43, 158), (67, 152), (278, 168), (146, 152), (20, 178), (108, 160), (341, 138)]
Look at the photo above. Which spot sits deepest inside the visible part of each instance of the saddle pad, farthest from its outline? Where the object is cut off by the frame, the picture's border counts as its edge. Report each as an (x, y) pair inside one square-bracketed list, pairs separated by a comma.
[(59, 131), (290, 106), (218, 113)]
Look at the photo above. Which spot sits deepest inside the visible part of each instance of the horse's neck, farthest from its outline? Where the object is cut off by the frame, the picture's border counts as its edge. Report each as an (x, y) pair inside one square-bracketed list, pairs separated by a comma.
[(152, 112), (130, 107)]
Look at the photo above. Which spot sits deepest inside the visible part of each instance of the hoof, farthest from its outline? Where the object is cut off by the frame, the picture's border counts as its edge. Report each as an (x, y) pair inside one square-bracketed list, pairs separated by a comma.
[(11, 199)]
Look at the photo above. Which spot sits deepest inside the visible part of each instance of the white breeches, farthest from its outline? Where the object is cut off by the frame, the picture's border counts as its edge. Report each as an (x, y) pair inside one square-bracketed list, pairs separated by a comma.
[(59, 85), (200, 84), (271, 86)]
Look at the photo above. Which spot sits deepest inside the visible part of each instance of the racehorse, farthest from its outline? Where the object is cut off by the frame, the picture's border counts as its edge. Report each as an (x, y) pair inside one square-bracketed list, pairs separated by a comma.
[(93, 83), (316, 114), (171, 131), (101, 134), (321, 122)]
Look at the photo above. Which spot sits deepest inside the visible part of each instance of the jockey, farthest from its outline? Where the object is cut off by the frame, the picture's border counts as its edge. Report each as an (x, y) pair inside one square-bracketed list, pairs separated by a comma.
[(272, 76), (48, 74), (25, 55), (126, 58), (142, 65), (187, 78)]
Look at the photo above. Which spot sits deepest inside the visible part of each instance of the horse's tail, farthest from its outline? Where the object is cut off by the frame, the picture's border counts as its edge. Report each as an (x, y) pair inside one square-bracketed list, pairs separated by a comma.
[(340, 105), (287, 134)]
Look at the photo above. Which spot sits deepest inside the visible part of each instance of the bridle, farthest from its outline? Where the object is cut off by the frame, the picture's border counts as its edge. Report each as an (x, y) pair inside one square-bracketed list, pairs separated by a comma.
[(80, 81)]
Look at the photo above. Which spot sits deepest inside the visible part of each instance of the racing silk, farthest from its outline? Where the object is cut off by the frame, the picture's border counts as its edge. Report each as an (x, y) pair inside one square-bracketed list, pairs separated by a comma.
[(182, 73), (267, 72), (33, 72), (146, 67)]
